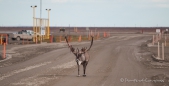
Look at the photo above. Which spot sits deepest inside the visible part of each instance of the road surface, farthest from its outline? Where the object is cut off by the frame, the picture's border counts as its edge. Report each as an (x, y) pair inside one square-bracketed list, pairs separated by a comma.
[(114, 62)]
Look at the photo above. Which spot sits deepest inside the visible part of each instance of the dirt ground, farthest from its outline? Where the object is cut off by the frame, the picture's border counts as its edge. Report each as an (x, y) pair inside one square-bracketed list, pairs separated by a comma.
[(21, 53), (25, 52), (152, 63), (120, 60)]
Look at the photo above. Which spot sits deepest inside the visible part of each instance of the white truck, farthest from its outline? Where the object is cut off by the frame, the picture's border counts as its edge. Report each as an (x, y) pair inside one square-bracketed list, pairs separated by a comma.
[(21, 35)]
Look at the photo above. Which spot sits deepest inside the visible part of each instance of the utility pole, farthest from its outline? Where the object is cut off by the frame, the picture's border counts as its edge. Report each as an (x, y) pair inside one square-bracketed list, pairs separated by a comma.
[(34, 29), (41, 19), (48, 30)]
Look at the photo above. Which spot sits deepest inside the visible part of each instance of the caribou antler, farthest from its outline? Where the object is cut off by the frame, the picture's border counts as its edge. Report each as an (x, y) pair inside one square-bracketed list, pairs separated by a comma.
[(67, 41), (72, 49), (91, 44)]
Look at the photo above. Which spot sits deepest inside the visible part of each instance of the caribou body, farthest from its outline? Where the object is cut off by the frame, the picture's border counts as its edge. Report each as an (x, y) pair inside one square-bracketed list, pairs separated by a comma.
[(82, 56)]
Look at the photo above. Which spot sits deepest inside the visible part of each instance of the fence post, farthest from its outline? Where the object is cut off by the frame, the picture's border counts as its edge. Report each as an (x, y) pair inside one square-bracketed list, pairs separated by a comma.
[(4, 51)]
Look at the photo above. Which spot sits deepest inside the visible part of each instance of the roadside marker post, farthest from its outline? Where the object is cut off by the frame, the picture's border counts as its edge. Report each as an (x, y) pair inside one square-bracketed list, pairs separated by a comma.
[(6, 39), (158, 49), (162, 51), (4, 51), (165, 41), (1, 39), (153, 40)]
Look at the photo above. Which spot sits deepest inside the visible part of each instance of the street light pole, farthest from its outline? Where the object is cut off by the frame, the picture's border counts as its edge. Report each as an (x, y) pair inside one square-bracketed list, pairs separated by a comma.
[(48, 30), (41, 20), (34, 21), (40, 8)]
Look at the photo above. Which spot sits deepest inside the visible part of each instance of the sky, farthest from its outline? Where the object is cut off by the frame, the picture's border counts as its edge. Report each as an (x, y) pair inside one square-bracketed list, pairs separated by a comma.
[(88, 13)]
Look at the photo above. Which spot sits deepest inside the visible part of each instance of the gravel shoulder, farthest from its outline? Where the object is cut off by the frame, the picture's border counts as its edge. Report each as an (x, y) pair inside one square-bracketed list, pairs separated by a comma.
[(161, 67)]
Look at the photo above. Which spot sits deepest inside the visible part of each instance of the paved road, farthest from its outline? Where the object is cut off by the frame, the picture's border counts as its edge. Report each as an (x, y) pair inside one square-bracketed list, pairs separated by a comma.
[(113, 61)]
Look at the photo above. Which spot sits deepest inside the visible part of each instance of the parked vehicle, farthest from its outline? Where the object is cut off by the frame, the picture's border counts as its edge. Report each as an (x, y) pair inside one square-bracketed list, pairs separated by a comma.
[(21, 35)]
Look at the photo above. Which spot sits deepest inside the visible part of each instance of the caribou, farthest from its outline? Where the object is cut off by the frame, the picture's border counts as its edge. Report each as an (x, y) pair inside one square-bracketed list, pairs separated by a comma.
[(82, 56)]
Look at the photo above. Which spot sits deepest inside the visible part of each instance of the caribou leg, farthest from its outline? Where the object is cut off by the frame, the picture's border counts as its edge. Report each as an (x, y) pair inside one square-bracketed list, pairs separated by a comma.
[(84, 68), (78, 68)]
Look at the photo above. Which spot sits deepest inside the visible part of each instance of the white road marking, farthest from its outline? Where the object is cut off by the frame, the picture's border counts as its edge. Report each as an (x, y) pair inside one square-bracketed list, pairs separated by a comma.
[(37, 80), (34, 81), (22, 70), (66, 65)]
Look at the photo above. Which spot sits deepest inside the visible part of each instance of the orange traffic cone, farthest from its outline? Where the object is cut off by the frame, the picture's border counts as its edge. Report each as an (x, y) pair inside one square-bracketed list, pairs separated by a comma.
[(89, 37), (80, 38)]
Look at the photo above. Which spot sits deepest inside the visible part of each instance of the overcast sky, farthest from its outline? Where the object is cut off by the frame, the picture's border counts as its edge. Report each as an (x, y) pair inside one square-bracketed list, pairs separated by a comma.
[(145, 13)]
